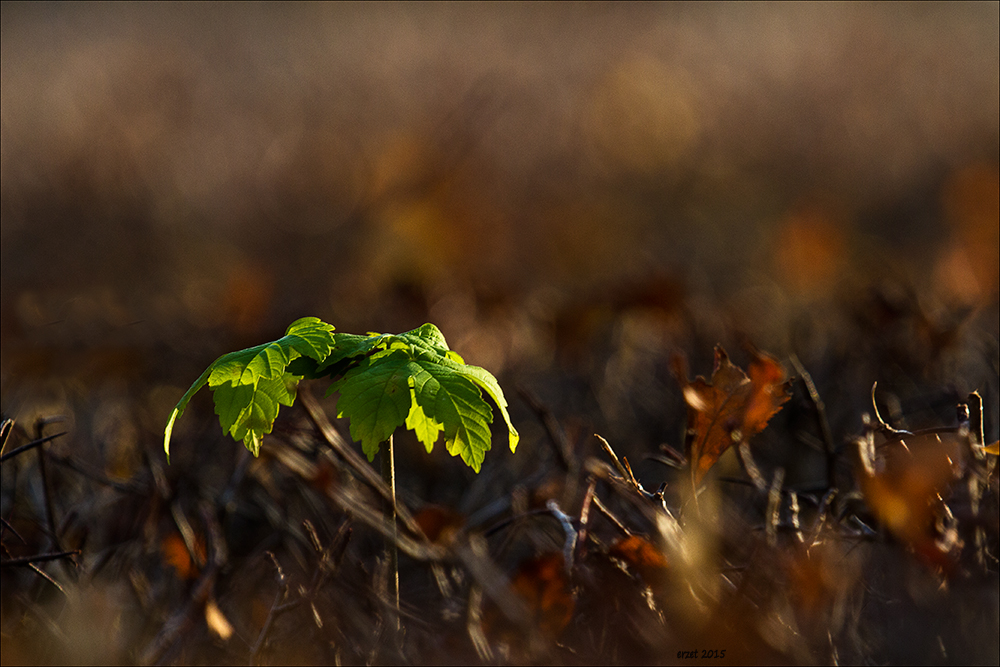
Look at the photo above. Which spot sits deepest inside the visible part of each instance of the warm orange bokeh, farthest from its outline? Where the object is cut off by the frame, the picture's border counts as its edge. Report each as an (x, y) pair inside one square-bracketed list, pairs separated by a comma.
[(971, 200), (810, 250)]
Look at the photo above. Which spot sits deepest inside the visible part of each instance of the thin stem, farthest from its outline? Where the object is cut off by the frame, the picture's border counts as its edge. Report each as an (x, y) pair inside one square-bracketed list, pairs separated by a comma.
[(357, 462), (392, 551), (821, 420)]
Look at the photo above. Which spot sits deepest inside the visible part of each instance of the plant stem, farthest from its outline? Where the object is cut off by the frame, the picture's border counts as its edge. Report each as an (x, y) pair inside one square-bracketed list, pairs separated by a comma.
[(392, 551)]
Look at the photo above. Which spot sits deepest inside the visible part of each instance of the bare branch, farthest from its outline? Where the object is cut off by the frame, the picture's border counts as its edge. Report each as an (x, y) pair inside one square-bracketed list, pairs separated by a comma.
[(31, 445), (40, 558)]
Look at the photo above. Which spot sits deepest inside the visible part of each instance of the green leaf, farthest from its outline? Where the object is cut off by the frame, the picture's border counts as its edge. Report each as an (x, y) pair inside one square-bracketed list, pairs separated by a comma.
[(247, 411), (454, 401), (426, 428), (376, 398), (430, 335), (231, 403), (308, 336), (179, 408), (414, 379), (246, 408), (428, 341), (485, 379), (348, 349)]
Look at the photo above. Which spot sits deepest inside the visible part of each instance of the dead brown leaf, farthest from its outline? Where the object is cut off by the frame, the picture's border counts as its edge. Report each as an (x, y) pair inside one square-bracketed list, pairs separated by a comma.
[(731, 409)]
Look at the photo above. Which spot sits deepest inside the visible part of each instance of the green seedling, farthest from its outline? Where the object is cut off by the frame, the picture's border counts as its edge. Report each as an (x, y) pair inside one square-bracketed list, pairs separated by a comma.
[(385, 381)]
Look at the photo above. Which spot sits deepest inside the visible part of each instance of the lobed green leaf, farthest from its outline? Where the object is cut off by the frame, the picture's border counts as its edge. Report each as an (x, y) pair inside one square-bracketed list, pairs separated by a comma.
[(458, 404), (376, 398), (247, 411), (486, 381), (308, 336)]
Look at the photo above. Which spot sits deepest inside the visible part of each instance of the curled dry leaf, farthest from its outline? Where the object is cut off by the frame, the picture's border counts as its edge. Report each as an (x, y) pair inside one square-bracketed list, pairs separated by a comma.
[(732, 408)]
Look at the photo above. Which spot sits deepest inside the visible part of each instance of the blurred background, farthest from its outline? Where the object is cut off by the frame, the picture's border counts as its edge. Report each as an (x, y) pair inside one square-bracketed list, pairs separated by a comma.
[(537, 180), (572, 193)]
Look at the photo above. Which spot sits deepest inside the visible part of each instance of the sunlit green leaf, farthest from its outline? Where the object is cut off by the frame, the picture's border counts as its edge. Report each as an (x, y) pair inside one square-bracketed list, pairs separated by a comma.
[(426, 429), (242, 370), (376, 398)]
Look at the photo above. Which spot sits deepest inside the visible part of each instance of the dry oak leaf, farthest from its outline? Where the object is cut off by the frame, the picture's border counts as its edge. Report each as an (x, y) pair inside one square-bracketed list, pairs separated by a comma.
[(732, 408)]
